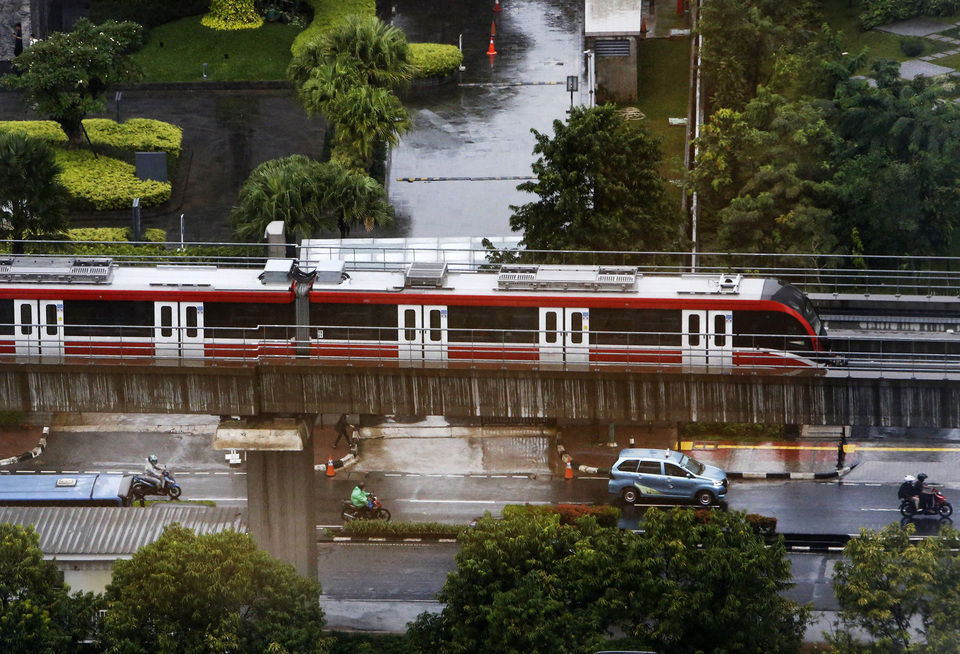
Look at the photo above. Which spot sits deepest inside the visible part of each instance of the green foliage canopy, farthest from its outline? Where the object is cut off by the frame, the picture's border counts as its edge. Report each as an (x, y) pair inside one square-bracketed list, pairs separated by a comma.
[(599, 188), (33, 203), (37, 613), (67, 74), (187, 594)]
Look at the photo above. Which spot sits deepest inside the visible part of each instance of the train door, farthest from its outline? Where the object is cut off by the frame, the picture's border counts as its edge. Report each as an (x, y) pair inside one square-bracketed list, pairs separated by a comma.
[(422, 333), (38, 327), (708, 338), (178, 329), (564, 335)]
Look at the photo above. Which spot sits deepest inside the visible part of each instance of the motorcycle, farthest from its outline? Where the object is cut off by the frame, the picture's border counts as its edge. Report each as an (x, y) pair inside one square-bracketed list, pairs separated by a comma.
[(350, 512), (141, 488), (939, 506)]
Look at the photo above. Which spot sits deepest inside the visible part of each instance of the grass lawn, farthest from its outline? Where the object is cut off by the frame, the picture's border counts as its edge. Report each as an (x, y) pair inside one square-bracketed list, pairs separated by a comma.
[(177, 51), (880, 45), (664, 82)]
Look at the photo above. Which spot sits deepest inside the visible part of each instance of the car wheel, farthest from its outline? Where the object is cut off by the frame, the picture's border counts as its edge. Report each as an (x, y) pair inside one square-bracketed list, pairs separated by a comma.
[(630, 495), (704, 498)]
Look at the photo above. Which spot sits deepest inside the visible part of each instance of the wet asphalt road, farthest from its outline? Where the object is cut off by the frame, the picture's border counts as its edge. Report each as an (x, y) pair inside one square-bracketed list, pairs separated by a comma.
[(458, 131)]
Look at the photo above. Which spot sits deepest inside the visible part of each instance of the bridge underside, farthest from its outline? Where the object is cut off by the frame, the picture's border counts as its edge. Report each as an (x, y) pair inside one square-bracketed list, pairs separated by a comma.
[(585, 396)]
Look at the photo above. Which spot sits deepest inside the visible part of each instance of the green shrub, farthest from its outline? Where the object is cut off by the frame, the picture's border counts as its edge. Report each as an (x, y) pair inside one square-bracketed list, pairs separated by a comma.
[(232, 15), (12, 418), (103, 234), (363, 643), (103, 183), (136, 135), (327, 15), (435, 59), (874, 13), (148, 13), (382, 528), (606, 516), (46, 130), (761, 524), (912, 46), (731, 431), (941, 7)]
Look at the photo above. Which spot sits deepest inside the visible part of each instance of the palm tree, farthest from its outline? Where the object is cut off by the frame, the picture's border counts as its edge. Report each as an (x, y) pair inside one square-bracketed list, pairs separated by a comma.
[(33, 203), (308, 196), (364, 116), (379, 52)]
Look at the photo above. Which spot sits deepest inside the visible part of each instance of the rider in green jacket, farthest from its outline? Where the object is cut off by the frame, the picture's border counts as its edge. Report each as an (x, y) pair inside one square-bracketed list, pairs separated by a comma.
[(361, 498)]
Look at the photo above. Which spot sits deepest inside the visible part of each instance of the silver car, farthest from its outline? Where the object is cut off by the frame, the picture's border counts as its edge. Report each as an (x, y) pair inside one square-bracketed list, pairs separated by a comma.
[(665, 474)]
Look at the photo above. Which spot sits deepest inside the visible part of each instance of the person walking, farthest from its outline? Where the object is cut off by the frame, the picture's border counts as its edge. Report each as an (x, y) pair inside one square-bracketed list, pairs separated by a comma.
[(342, 432), (17, 40)]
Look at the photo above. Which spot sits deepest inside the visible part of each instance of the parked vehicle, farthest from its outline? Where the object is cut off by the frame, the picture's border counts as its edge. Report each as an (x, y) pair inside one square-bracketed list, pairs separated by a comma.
[(142, 488), (940, 506), (665, 474), (349, 511), (66, 490)]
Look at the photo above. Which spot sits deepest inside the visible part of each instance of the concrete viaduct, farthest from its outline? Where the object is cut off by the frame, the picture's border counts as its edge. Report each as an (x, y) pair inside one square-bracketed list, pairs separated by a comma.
[(278, 404)]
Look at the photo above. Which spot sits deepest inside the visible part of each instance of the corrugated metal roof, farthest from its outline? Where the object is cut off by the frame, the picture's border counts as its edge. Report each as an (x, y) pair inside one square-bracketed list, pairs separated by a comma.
[(99, 532)]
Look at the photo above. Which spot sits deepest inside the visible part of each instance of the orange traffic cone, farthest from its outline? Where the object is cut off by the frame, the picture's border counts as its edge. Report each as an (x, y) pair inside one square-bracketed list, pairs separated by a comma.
[(568, 474), (330, 471), (643, 26), (493, 28), (496, 5), (491, 50)]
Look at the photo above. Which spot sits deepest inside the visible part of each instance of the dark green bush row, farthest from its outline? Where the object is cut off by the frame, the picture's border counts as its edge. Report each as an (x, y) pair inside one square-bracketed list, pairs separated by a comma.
[(875, 13), (382, 528), (731, 431), (12, 418), (148, 13), (761, 524), (607, 516)]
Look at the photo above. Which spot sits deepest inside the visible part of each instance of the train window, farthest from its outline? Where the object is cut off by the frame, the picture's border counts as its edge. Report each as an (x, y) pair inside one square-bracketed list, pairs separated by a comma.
[(166, 321), (238, 319), (489, 325), (26, 319), (550, 325), (720, 330), (410, 324), (693, 329), (368, 322), (576, 327), (656, 327), (773, 330), (436, 333), (191, 321), (98, 318), (6, 317), (51, 319)]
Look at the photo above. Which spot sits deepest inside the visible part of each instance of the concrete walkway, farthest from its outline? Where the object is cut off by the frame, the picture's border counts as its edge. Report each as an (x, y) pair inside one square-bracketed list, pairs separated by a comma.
[(927, 29)]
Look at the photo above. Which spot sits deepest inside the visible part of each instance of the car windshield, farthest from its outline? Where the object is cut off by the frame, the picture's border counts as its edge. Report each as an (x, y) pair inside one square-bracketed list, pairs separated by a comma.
[(692, 465)]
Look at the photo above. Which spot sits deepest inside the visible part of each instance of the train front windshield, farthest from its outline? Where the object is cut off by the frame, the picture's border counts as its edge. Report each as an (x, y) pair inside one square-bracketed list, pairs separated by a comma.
[(792, 297)]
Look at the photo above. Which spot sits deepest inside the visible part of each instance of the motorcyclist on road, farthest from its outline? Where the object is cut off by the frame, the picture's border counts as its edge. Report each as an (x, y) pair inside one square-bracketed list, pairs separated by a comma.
[(153, 472), (908, 491), (925, 492), (361, 498)]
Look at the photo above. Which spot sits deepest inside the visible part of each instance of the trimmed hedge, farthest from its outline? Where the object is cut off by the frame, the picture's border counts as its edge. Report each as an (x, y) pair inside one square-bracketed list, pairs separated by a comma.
[(435, 59), (232, 15), (134, 135), (874, 13), (761, 524), (105, 234), (104, 183), (383, 528), (607, 516)]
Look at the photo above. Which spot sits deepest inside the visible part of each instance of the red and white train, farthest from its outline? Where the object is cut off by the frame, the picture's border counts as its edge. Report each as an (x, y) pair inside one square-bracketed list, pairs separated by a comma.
[(420, 314)]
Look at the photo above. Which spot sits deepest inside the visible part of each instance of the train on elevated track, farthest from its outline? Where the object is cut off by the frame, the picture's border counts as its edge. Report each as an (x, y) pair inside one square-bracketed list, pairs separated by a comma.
[(510, 315)]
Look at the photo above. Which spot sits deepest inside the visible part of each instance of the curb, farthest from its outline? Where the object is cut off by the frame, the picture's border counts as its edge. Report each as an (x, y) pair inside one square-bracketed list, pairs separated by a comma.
[(31, 454)]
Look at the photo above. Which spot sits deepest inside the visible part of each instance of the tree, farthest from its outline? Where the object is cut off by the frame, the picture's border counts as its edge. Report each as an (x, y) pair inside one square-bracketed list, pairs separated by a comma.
[(189, 594), (693, 582), (33, 203), (701, 581), (37, 613), (599, 188), (349, 75), (66, 75), (308, 196), (903, 594)]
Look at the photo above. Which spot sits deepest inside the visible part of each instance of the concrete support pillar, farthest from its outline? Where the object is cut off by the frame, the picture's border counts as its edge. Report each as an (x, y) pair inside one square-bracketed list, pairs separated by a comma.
[(280, 485), (282, 507)]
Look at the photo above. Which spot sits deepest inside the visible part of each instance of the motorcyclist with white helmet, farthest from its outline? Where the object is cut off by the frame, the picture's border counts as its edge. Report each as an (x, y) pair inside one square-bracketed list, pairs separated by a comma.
[(153, 472)]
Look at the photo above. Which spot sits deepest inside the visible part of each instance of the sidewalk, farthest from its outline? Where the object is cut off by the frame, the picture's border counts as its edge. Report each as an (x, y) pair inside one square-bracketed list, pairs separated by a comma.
[(19, 443)]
